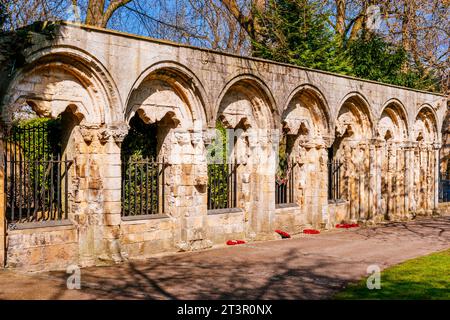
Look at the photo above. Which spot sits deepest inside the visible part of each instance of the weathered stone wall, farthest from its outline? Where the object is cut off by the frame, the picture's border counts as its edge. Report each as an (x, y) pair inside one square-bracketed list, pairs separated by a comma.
[(222, 227), (140, 239), (46, 248), (289, 219), (386, 137)]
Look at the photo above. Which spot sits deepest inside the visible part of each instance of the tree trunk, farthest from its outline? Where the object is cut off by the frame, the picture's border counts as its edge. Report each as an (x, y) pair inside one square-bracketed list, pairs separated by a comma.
[(94, 14), (340, 17), (98, 16)]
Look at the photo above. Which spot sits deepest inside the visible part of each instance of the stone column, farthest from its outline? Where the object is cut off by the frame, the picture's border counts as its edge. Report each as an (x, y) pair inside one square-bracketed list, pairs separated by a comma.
[(364, 182), (372, 182), (186, 178), (378, 172), (436, 148), (2, 207), (322, 190), (110, 249), (96, 184), (400, 182), (263, 170), (406, 149)]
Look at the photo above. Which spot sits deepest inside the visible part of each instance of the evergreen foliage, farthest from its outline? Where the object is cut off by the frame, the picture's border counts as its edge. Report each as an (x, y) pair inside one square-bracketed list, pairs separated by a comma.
[(297, 32)]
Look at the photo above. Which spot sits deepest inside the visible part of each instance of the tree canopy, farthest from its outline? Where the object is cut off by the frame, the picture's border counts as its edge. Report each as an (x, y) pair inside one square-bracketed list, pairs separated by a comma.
[(403, 42)]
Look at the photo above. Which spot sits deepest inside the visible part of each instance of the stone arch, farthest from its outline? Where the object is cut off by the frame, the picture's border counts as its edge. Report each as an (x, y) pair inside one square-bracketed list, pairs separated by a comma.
[(393, 122), (184, 91), (307, 105), (392, 133), (351, 148), (248, 100), (247, 107), (354, 117), (426, 126), (425, 161), (306, 134), (60, 78)]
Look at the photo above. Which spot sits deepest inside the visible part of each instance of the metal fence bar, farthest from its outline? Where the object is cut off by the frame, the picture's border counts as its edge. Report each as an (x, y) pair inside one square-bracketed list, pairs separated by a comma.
[(444, 187), (34, 177), (284, 188), (334, 172), (222, 186), (142, 188)]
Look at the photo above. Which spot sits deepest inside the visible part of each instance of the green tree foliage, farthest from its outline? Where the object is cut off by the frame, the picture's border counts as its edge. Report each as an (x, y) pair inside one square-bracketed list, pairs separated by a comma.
[(375, 59), (294, 31), (217, 150), (31, 145), (37, 146), (140, 142), (218, 168), (140, 173), (298, 32), (283, 159)]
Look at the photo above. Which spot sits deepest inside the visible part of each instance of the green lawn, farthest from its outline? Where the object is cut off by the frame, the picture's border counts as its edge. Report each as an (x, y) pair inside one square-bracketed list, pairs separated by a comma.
[(425, 278)]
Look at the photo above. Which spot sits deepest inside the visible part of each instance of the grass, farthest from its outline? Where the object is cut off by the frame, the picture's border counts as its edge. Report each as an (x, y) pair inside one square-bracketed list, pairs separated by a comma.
[(424, 278)]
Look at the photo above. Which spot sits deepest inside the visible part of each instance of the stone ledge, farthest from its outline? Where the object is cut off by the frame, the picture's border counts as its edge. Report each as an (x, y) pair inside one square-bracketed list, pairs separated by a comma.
[(339, 202), (143, 218), (286, 208), (42, 226), (224, 211)]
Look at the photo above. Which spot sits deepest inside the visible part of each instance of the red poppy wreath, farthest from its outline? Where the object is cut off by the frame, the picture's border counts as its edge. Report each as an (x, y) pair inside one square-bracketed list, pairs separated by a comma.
[(284, 235), (235, 242), (311, 231)]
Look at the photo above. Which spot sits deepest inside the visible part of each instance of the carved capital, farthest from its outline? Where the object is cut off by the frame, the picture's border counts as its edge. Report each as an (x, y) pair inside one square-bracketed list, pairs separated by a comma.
[(87, 131), (343, 129), (118, 132), (103, 135)]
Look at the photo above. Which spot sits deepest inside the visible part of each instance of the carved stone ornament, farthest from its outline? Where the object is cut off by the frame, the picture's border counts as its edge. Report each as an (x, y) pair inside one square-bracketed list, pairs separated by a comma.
[(88, 131), (104, 135), (87, 134)]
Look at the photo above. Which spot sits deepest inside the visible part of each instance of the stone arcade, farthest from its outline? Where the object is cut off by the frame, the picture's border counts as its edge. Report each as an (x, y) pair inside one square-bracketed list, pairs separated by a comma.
[(386, 138)]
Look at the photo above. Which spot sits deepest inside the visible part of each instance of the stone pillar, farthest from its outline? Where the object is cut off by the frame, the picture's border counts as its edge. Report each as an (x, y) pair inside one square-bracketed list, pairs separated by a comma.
[(263, 168), (372, 182), (436, 148), (390, 173), (364, 182), (322, 192), (408, 182), (2, 207), (111, 180), (92, 171), (401, 182), (187, 182), (378, 172), (415, 177)]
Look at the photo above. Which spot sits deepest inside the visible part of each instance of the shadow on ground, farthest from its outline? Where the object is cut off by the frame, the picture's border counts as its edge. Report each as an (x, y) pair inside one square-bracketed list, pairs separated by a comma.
[(307, 267)]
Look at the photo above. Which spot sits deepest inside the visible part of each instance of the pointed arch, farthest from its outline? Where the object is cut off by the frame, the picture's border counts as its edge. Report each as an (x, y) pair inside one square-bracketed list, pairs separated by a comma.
[(249, 89), (316, 106), (57, 77), (426, 125), (178, 84), (393, 121), (355, 116)]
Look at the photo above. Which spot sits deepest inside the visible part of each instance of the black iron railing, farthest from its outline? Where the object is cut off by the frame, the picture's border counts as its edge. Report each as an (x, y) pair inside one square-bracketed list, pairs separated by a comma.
[(36, 176), (284, 187), (444, 188), (222, 186), (142, 188), (334, 174)]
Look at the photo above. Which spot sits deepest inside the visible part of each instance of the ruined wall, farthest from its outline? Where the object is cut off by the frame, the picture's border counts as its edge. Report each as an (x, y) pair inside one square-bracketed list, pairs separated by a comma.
[(44, 248), (386, 137)]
